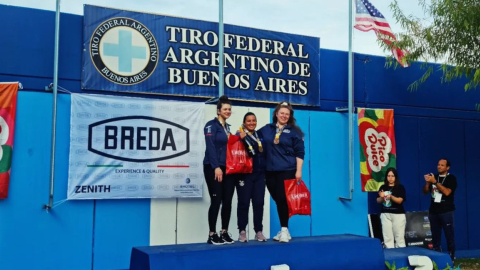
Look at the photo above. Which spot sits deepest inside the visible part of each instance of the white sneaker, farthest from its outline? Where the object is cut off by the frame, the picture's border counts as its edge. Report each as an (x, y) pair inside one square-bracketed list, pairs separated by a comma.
[(277, 237), (284, 237)]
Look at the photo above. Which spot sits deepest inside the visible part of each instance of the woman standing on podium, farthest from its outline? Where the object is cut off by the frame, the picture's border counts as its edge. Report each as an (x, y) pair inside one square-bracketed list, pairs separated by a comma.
[(252, 185), (285, 151), (392, 195), (220, 186)]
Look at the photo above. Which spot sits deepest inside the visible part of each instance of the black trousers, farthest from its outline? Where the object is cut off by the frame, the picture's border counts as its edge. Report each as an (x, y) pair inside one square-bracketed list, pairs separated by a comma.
[(251, 187), (437, 223), (221, 193), (276, 187)]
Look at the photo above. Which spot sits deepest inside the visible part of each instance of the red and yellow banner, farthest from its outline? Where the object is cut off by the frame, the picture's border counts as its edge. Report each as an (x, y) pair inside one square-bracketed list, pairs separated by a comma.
[(377, 146), (8, 104)]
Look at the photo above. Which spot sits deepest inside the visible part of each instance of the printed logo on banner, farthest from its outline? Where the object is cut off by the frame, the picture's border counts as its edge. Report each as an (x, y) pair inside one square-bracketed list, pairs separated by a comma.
[(101, 104), (129, 136), (163, 187), (379, 147), (124, 51), (148, 187)]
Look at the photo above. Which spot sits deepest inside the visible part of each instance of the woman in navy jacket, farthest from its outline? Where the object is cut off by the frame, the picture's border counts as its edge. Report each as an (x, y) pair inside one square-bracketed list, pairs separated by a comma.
[(220, 186), (285, 151), (252, 185)]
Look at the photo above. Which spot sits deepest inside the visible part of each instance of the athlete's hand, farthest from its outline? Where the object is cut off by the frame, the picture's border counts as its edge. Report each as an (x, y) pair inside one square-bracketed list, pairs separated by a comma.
[(218, 174)]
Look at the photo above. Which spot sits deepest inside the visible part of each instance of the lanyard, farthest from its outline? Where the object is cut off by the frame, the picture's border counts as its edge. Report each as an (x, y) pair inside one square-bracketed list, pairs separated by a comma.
[(227, 132), (225, 128), (438, 179)]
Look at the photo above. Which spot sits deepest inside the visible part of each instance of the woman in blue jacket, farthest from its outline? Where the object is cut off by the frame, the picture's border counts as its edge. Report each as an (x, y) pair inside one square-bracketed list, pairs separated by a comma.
[(285, 151), (220, 186), (252, 185)]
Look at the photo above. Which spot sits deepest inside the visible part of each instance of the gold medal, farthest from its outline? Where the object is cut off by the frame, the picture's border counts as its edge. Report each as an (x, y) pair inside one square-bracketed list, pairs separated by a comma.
[(277, 135), (277, 139), (260, 147)]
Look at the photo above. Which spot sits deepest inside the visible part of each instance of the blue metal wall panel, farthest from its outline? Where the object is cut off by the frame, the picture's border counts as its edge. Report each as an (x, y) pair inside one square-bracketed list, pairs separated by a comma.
[(28, 44), (389, 87), (32, 238), (472, 161), (406, 136)]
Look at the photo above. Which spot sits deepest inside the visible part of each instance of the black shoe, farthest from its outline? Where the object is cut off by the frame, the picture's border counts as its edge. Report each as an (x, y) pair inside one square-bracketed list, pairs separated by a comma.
[(215, 240), (226, 238)]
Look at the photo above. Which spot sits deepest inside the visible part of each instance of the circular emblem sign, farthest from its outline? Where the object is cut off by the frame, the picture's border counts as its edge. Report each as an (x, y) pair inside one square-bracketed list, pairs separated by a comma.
[(124, 51)]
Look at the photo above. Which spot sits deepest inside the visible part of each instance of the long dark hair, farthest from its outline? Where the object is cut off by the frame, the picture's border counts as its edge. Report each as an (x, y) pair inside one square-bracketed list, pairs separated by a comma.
[(395, 173), (223, 100), (291, 121)]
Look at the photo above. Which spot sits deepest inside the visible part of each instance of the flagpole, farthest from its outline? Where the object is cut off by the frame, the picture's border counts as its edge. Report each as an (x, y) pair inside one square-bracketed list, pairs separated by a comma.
[(54, 115), (220, 48), (350, 104)]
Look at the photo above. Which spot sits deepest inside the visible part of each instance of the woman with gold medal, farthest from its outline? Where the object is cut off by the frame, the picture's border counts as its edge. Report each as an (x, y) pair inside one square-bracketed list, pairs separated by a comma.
[(221, 187), (284, 151), (252, 185)]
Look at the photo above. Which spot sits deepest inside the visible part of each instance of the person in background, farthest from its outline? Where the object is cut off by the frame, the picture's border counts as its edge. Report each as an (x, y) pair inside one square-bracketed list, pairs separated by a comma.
[(220, 186), (442, 187), (252, 185), (392, 195), (285, 151)]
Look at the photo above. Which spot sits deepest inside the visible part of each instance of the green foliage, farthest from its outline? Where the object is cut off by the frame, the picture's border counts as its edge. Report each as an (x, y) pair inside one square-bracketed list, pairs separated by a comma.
[(435, 267), (449, 34), (393, 267)]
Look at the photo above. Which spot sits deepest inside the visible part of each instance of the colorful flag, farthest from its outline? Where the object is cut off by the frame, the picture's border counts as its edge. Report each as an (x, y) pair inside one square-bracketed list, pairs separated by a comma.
[(8, 104), (377, 146), (368, 18)]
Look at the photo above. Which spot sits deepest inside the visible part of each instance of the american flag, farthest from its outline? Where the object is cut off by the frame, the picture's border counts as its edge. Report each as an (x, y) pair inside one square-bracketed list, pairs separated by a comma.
[(368, 18)]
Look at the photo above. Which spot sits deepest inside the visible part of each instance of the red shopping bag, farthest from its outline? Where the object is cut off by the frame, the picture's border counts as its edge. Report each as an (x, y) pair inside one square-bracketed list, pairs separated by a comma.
[(238, 160), (298, 198)]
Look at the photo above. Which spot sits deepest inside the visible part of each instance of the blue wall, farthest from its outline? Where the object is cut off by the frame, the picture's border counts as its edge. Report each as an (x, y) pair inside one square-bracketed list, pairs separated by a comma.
[(75, 234), (435, 121)]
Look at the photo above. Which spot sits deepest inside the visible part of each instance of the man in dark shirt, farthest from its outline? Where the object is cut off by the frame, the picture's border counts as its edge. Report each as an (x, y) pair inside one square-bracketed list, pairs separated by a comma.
[(442, 187)]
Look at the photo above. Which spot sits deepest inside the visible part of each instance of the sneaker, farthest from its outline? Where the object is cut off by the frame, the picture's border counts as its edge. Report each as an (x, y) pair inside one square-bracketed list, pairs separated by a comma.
[(277, 237), (214, 239), (243, 237), (284, 237), (226, 238), (260, 237)]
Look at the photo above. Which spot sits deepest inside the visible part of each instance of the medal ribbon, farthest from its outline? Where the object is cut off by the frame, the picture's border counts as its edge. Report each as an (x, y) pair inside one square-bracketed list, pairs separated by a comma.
[(277, 135), (225, 128)]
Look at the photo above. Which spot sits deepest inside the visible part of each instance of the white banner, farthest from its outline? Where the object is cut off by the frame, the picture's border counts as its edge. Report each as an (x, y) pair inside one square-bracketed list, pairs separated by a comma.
[(124, 147)]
